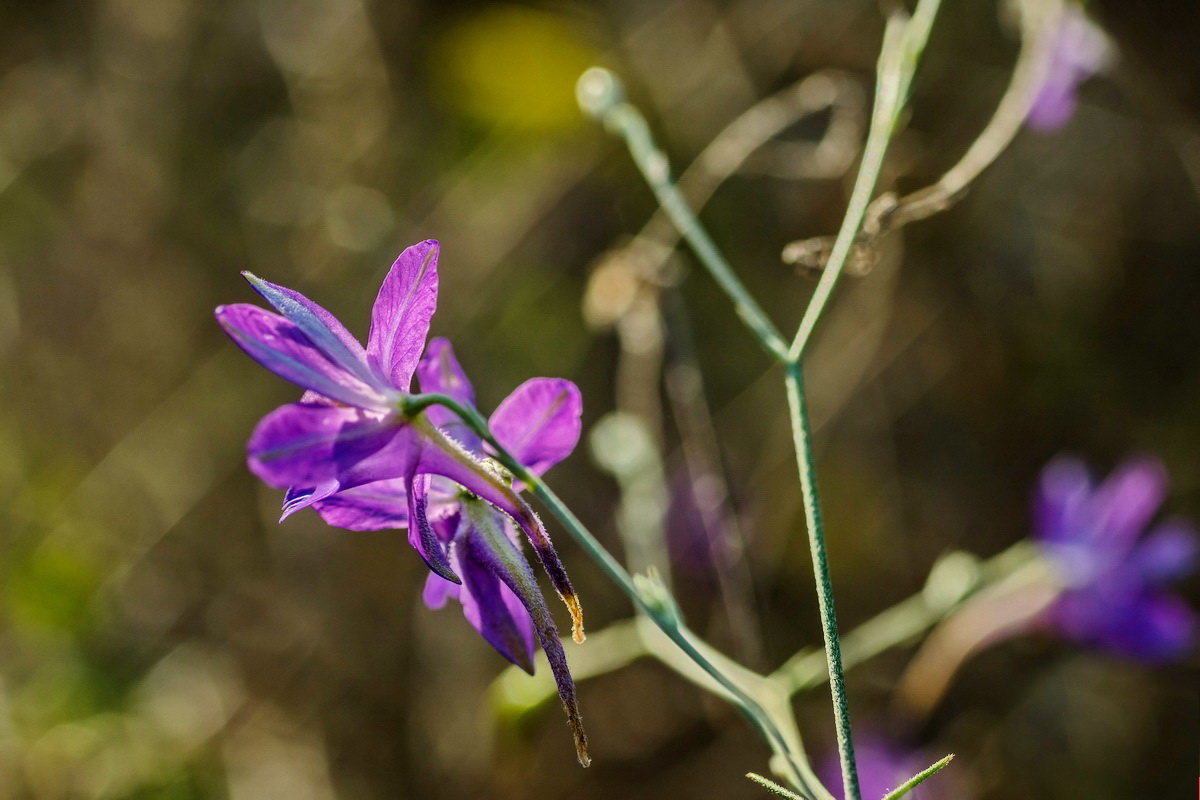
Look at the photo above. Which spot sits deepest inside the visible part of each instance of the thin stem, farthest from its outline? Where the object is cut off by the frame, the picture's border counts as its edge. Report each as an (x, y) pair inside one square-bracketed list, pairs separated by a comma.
[(669, 624), (600, 94), (1039, 23), (666, 619), (771, 786), (919, 778), (1038, 28), (801, 438), (903, 41)]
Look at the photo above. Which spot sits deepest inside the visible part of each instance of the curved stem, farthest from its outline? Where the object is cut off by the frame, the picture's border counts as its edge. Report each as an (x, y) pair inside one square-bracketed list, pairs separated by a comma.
[(665, 618), (1038, 28), (903, 41), (886, 213), (600, 94)]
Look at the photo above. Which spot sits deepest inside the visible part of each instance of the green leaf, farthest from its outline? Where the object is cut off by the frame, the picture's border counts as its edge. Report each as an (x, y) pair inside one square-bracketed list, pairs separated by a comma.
[(774, 787)]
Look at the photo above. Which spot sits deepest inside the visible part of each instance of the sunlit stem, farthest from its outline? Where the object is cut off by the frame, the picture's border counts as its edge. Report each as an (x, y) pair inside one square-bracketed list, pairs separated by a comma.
[(664, 616), (903, 41), (601, 95), (919, 778), (1039, 28)]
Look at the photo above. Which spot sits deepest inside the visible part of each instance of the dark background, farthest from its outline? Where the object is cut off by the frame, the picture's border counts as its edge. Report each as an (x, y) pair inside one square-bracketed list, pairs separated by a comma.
[(162, 637)]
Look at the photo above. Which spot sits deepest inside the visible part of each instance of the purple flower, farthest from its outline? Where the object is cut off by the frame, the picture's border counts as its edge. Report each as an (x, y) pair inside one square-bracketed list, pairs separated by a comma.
[(1114, 578), (882, 767), (349, 450), (1079, 50)]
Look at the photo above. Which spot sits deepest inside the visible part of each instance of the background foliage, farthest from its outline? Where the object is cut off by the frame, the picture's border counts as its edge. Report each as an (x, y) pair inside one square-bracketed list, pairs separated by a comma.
[(161, 636)]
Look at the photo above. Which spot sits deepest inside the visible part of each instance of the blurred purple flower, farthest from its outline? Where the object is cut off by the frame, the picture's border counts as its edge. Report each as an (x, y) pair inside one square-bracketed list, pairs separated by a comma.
[(1079, 50), (882, 767), (349, 450), (1114, 577)]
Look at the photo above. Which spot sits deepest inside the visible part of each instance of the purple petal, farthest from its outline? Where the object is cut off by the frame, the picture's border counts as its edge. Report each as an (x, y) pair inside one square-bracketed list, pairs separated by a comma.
[(439, 372), (438, 590), (1123, 505), (444, 457), (420, 533), (1166, 631), (1053, 106), (539, 423), (400, 318), (1122, 618), (1061, 499), (308, 444), (1080, 49), (280, 346), (321, 327), (492, 607), (881, 768), (504, 560), (298, 499), (1168, 552), (375, 506)]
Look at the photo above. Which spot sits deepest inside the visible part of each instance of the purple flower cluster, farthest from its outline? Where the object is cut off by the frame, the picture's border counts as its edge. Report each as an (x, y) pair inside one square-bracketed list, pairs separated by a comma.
[(349, 450), (1114, 572)]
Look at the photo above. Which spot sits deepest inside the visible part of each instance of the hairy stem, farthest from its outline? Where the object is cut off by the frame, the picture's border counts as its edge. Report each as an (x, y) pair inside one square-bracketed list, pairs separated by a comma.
[(904, 41), (801, 438), (919, 778), (730, 677)]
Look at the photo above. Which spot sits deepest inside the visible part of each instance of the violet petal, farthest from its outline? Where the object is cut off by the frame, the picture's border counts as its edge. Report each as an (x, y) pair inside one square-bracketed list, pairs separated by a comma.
[(1124, 504), (375, 506), (1061, 499), (298, 499), (307, 444), (439, 372), (1168, 552), (539, 423), (490, 605), (400, 317), (420, 533), (438, 590), (322, 327), (280, 346)]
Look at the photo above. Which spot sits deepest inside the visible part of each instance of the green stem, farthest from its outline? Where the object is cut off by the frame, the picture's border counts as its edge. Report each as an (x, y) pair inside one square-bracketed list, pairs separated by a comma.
[(600, 94), (802, 439), (666, 619), (903, 41), (919, 778)]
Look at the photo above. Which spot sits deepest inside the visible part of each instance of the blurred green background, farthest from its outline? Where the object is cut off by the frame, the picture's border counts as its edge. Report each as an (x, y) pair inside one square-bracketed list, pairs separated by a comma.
[(162, 637)]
